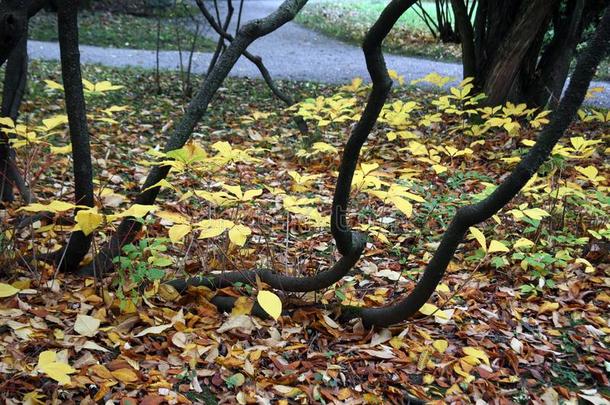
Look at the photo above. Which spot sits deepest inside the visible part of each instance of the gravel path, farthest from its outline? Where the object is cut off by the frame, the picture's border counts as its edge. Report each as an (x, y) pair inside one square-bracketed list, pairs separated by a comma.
[(292, 52)]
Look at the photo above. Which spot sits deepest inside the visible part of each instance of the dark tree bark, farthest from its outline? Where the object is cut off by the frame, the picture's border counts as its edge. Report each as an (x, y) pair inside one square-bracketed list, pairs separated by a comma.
[(14, 15), (532, 20), (15, 78), (467, 216), (505, 48), (78, 244), (198, 106)]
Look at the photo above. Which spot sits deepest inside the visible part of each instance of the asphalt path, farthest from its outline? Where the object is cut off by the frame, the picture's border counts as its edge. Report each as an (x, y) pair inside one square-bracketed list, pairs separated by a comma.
[(291, 52)]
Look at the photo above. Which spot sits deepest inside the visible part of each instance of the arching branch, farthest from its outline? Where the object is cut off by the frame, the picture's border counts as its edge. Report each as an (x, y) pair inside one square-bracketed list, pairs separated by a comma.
[(470, 215), (350, 244), (382, 84), (280, 281)]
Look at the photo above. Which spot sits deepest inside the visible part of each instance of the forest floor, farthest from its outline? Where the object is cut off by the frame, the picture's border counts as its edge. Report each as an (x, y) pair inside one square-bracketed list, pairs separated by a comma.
[(521, 315)]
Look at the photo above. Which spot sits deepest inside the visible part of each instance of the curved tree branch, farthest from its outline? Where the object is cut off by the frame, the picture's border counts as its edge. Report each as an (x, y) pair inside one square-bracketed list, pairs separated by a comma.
[(257, 61), (382, 84), (350, 244), (196, 109), (69, 257), (471, 215), (280, 281)]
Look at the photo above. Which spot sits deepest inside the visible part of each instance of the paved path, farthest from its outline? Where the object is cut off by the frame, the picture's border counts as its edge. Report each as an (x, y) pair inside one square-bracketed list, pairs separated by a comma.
[(292, 52)]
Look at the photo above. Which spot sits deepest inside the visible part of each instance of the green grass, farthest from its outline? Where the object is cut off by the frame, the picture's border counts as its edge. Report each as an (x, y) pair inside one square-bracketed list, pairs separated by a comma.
[(349, 21), (120, 31)]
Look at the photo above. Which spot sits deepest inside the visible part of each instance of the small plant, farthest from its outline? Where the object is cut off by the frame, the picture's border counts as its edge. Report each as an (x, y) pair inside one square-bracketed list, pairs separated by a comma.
[(142, 262)]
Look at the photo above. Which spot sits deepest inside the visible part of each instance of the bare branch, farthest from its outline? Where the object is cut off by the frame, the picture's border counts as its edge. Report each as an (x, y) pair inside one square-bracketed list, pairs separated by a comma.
[(471, 215)]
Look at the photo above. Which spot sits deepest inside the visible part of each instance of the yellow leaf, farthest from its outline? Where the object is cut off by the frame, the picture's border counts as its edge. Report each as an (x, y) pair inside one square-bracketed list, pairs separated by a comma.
[(61, 150), (125, 375), (238, 234), (56, 121), (590, 172), (429, 309), (89, 220), (54, 206), (403, 205), (270, 302), (497, 246), (172, 217), (7, 290), (88, 85), (54, 85), (523, 242), (137, 211), (242, 306), (106, 86), (212, 227), (178, 232), (536, 213), (86, 325), (48, 364), (478, 235), (440, 345), (548, 307), (7, 122), (476, 353)]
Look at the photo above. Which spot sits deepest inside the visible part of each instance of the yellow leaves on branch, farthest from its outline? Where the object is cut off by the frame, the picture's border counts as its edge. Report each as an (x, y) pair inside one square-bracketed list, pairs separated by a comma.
[(399, 196), (494, 246)]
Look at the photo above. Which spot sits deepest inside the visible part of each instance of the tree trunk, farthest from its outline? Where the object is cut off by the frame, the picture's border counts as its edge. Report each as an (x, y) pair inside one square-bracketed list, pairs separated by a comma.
[(533, 19), (78, 245), (15, 78)]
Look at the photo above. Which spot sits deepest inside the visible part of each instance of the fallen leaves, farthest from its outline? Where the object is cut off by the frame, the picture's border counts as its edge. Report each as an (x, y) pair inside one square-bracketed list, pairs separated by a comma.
[(49, 364), (270, 302)]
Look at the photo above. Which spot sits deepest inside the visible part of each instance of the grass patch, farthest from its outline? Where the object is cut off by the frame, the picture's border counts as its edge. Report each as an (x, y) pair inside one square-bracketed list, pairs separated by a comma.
[(120, 31), (349, 21)]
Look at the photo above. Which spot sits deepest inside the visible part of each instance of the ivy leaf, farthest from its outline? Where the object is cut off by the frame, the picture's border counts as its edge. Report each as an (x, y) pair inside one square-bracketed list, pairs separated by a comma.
[(270, 302)]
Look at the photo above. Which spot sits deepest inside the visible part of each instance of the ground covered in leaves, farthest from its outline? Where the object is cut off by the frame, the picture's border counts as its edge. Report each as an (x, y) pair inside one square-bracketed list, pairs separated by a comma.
[(521, 316)]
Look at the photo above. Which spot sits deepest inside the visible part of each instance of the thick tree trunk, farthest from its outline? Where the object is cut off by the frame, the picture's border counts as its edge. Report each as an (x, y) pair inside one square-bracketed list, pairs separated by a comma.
[(508, 61), (555, 61)]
